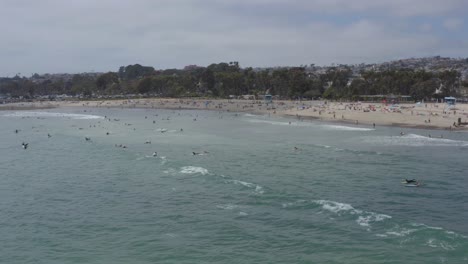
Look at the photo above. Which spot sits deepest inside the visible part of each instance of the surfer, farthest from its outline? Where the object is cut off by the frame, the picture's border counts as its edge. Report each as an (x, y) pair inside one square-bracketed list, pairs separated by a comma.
[(16, 131), (402, 133), (48, 135), (155, 154), (410, 181), (195, 153), (87, 138)]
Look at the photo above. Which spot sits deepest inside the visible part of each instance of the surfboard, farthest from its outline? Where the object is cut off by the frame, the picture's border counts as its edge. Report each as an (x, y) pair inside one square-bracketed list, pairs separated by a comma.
[(412, 185)]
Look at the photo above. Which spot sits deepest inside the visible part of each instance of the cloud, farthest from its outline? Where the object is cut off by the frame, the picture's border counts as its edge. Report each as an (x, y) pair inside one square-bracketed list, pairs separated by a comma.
[(426, 27), (85, 35), (389, 7), (453, 23)]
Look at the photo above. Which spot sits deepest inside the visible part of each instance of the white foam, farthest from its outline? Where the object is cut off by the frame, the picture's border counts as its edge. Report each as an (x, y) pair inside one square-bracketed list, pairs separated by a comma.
[(401, 233), (51, 114), (257, 188), (193, 170), (227, 206), (335, 207), (345, 128), (430, 243), (286, 205), (415, 140), (169, 171), (426, 226), (251, 115), (446, 246), (372, 217), (246, 184), (448, 232), (364, 218), (243, 214), (308, 124), (279, 123), (381, 235)]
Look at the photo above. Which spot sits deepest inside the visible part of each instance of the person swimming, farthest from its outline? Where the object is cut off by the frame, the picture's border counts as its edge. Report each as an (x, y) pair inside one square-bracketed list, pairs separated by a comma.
[(155, 154)]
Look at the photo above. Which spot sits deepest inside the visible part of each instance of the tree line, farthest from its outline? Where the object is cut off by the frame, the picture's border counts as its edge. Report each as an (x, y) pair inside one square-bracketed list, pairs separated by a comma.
[(221, 80)]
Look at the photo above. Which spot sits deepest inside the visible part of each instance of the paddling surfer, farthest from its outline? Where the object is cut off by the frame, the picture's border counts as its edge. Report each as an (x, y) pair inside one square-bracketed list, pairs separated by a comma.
[(411, 181)]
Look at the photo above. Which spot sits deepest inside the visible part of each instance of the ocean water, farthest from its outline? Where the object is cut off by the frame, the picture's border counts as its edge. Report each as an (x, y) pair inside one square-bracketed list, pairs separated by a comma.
[(248, 196)]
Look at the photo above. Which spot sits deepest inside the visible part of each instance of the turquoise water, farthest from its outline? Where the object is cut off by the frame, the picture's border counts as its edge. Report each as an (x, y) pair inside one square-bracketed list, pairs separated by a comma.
[(249, 197)]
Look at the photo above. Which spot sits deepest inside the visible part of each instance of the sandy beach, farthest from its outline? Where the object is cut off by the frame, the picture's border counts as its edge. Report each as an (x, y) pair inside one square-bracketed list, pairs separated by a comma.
[(421, 115)]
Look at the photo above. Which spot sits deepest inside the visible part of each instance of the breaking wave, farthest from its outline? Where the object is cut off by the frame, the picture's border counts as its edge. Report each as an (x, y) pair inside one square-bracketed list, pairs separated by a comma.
[(193, 170), (26, 114), (416, 141)]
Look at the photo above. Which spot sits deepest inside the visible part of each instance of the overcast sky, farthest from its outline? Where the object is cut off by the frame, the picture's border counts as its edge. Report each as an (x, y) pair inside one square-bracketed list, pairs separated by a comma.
[(100, 35)]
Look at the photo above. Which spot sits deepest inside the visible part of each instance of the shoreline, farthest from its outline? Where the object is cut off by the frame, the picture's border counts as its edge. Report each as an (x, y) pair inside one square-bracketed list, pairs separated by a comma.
[(434, 116)]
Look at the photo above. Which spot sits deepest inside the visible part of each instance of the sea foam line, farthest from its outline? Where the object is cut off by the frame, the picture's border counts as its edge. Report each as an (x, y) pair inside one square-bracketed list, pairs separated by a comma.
[(345, 128), (307, 124), (364, 218), (257, 188), (51, 114), (415, 140), (193, 170)]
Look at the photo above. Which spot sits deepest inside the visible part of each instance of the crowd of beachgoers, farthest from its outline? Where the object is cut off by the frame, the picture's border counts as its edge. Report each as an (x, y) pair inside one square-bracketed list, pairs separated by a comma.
[(417, 115)]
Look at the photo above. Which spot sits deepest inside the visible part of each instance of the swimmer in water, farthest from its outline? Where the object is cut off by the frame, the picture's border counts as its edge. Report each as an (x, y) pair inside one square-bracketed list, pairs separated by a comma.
[(155, 154)]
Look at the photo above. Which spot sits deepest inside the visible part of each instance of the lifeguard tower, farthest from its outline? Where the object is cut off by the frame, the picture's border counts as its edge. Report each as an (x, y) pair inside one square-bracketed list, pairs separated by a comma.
[(450, 100)]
